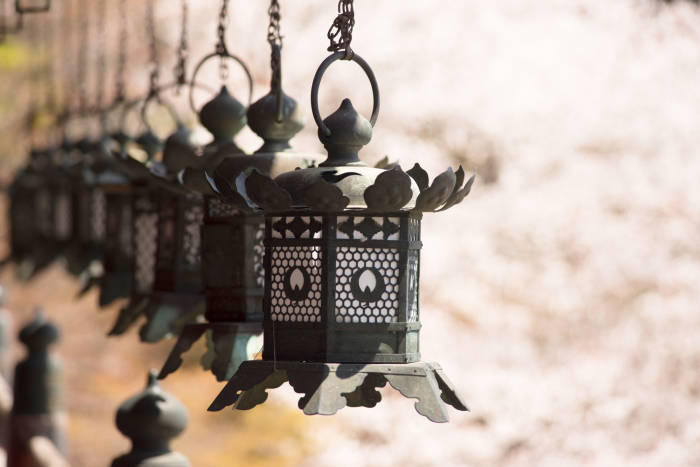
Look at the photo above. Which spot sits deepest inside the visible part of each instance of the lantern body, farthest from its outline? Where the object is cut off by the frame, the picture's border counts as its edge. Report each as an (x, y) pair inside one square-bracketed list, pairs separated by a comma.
[(117, 256), (232, 263), (178, 258), (342, 288)]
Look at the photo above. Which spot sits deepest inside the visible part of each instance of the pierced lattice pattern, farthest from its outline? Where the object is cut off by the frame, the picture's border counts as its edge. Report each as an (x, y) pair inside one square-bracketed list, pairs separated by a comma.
[(98, 215), (192, 236), (125, 231), (259, 255), (297, 227), (367, 284), (63, 219), (219, 209), (368, 228), (412, 288), (296, 284), (145, 243)]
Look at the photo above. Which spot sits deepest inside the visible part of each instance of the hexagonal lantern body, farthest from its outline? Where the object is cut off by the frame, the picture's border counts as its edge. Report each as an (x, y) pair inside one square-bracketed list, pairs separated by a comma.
[(118, 254), (342, 287), (25, 231)]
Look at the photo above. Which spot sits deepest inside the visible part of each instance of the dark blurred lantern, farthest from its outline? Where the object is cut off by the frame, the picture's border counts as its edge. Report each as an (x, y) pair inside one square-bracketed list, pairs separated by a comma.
[(232, 235), (342, 244)]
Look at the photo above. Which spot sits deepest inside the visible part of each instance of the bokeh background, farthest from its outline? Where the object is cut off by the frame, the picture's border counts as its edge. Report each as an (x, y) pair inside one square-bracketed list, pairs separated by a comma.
[(562, 297)]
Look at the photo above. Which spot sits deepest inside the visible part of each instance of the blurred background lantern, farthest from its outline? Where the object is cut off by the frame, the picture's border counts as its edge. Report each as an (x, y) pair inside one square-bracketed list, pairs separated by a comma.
[(232, 235)]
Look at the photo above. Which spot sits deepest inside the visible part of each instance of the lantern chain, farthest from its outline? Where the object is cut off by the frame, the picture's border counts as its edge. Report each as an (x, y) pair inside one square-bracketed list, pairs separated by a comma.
[(83, 41), (102, 55), (274, 38), (153, 44), (183, 49), (340, 32), (120, 82), (221, 48)]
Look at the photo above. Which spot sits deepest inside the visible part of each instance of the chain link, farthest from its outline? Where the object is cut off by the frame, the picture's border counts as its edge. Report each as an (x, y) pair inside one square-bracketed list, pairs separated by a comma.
[(221, 48), (153, 44), (102, 54), (340, 32), (82, 46), (183, 49), (274, 38), (120, 81)]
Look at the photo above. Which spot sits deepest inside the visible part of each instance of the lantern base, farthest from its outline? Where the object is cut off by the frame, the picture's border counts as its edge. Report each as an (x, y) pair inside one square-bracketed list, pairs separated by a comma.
[(128, 315), (229, 344), (113, 286), (167, 313), (328, 387)]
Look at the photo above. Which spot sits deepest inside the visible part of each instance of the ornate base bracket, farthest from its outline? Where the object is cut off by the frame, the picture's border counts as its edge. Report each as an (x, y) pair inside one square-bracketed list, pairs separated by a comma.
[(328, 387), (228, 344), (128, 315), (168, 313), (114, 286)]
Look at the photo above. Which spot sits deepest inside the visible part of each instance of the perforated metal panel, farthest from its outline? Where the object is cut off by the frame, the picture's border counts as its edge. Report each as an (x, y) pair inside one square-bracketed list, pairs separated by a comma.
[(367, 284), (259, 255), (295, 284), (98, 215), (125, 245), (44, 212), (217, 209), (63, 216), (412, 287), (192, 237), (145, 242)]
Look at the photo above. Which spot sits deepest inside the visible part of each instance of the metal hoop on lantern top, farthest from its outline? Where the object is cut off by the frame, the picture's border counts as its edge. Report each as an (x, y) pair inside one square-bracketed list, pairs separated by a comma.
[(317, 82), (223, 55)]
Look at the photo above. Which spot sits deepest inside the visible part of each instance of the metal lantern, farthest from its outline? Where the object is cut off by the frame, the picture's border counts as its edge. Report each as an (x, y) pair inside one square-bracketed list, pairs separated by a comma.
[(117, 254), (25, 232), (342, 256), (232, 238)]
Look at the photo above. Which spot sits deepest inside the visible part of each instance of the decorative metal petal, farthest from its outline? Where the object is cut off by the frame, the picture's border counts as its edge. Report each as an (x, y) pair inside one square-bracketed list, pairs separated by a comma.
[(386, 164), (459, 195), (323, 196), (189, 335), (420, 176), (267, 194), (195, 180), (390, 192), (435, 196), (221, 187)]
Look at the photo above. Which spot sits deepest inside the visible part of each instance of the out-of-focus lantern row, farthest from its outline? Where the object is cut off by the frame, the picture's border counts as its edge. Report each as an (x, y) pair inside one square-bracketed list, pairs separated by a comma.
[(320, 254)]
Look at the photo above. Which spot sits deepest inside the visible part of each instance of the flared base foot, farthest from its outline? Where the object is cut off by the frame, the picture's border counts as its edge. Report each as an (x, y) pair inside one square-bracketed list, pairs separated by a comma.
[(328, 387)]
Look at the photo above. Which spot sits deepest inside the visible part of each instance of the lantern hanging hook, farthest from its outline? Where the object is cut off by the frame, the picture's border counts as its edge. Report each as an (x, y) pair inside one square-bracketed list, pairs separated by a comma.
[(222, 52), (317, 82), (153, 46)]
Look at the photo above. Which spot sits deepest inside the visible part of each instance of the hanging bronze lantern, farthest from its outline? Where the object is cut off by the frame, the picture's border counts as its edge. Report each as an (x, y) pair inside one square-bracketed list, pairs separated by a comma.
[(25, 232), (232, 238), (342, 244), (117, 252)]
